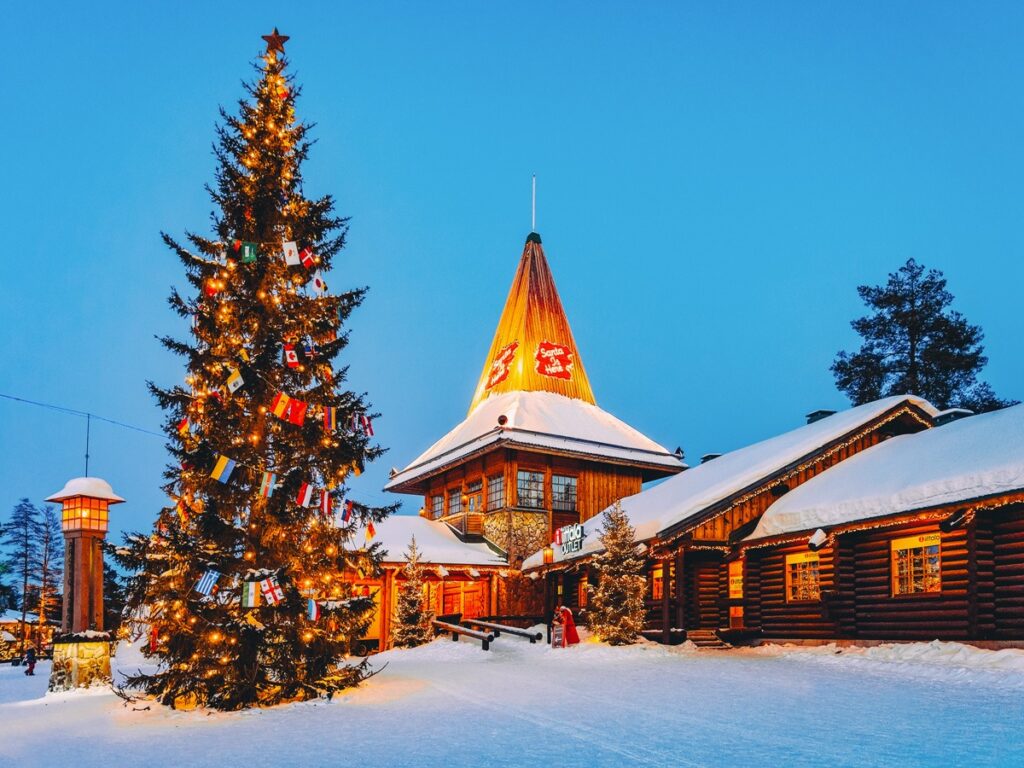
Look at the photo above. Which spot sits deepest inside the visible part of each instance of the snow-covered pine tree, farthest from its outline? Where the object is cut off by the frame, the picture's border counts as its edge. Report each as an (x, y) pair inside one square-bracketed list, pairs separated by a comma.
[(246, 579), (51, 565), (412, 620), (616, 611), (21, 536)]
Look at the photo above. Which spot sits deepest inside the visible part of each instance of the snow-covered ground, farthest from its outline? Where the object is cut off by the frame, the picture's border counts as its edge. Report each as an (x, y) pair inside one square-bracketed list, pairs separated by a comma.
[(450, 704)]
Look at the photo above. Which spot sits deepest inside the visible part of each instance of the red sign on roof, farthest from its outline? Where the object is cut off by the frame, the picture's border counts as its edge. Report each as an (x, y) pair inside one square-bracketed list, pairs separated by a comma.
[(554, 360), (502, 364)]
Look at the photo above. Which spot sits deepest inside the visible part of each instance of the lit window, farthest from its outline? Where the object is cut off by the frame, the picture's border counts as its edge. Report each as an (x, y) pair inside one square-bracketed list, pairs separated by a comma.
[(437, 506), (563, 493), (495, 492), (735, 579), (657, 583), (531, 489), (454, 501), (803, 577), (474, 496), (916, 564)]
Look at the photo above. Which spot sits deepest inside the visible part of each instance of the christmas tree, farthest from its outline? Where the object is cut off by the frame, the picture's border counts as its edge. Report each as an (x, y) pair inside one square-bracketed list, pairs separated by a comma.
[(616, 610), (245, 582), (412, 621)]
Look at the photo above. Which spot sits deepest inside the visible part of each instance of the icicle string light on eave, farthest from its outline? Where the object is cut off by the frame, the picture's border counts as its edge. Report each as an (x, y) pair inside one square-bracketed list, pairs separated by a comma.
[(533, 348)]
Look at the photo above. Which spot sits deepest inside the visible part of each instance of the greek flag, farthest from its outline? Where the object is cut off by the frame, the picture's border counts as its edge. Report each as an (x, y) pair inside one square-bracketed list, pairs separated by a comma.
[(207, 585)]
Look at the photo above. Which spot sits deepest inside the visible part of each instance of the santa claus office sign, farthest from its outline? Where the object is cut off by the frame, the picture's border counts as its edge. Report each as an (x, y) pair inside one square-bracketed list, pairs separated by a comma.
[(570, 538)]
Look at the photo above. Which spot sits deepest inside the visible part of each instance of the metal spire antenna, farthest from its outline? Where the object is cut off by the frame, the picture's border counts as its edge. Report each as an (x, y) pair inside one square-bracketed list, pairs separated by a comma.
[(88, 423), (533, 206)]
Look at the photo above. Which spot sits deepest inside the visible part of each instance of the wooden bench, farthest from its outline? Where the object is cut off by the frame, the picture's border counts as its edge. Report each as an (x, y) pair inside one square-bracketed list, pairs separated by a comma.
[(497, 629), (456, 630)]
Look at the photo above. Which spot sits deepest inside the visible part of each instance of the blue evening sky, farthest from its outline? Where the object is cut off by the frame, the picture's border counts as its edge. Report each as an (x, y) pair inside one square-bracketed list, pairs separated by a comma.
[(714, 181)]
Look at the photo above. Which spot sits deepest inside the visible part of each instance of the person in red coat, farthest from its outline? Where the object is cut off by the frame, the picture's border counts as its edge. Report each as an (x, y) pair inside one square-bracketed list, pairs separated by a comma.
[(570, 636)]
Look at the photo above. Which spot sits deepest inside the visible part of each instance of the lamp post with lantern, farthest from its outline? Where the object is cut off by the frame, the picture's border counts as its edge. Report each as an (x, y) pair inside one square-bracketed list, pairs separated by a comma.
[(82, 654)]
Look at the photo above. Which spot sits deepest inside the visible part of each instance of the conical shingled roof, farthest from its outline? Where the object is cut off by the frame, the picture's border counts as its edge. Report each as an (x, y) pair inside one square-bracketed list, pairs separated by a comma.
[(533, 348)]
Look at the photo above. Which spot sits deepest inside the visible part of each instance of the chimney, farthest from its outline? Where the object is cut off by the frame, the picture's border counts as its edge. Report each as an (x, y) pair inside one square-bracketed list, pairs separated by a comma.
[(814, 416)]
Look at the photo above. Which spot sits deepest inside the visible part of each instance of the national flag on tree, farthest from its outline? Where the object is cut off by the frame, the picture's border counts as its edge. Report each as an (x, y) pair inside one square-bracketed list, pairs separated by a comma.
[(367, 425), (207, 584), (307, 258), (235, 381), (291, 357), (291, 253), (271, 590), (318, 284), (370, 531), (250, 594), (267, 484), (325, 503), (223, 468), (297, 411), (330, 418), (305, 495), (184, 427), (347, 514), (280, 405), (313, 610), (182, 510), (309, 350), (249, 252)]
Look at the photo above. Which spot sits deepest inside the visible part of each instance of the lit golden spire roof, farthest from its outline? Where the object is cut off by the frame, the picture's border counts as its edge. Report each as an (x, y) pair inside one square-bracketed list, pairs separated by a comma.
[(533, 348)]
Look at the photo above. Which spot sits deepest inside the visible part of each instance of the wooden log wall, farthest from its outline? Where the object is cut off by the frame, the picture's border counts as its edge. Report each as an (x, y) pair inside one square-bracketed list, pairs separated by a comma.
[(1008, 573), (776, 616), (704, 590), (880, 615)]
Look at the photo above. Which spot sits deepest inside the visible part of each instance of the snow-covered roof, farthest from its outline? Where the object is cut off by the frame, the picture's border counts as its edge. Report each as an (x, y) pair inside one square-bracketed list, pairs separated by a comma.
[(682, 497), (539, 420), (11, 617), (436, 542), (967, 459), (94, 487)]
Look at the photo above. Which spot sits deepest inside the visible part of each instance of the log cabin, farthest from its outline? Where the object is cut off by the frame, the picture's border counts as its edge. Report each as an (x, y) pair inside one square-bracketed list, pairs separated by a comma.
[(692, 524), (919, 538), (461, 577), (535, 453)]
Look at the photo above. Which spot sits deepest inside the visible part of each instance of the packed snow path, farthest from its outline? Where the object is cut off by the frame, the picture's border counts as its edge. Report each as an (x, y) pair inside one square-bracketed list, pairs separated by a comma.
[(528, 705)]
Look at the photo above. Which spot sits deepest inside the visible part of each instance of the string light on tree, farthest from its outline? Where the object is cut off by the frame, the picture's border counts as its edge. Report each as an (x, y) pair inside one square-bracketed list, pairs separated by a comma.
[(242, 563)]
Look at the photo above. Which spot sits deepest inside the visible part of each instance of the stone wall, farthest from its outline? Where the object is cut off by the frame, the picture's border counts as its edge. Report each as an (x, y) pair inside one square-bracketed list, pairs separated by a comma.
[(518, 533), (79, 664)]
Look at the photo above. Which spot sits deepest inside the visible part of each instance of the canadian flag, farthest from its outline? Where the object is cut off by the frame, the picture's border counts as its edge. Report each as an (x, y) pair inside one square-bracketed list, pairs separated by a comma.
[(305, 495), (291, 357)]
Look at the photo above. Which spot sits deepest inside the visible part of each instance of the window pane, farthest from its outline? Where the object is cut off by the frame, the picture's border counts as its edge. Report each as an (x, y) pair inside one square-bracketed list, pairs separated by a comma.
[(531, 489), (563, 493), (495, 492), (474, 496), (454, 502)]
